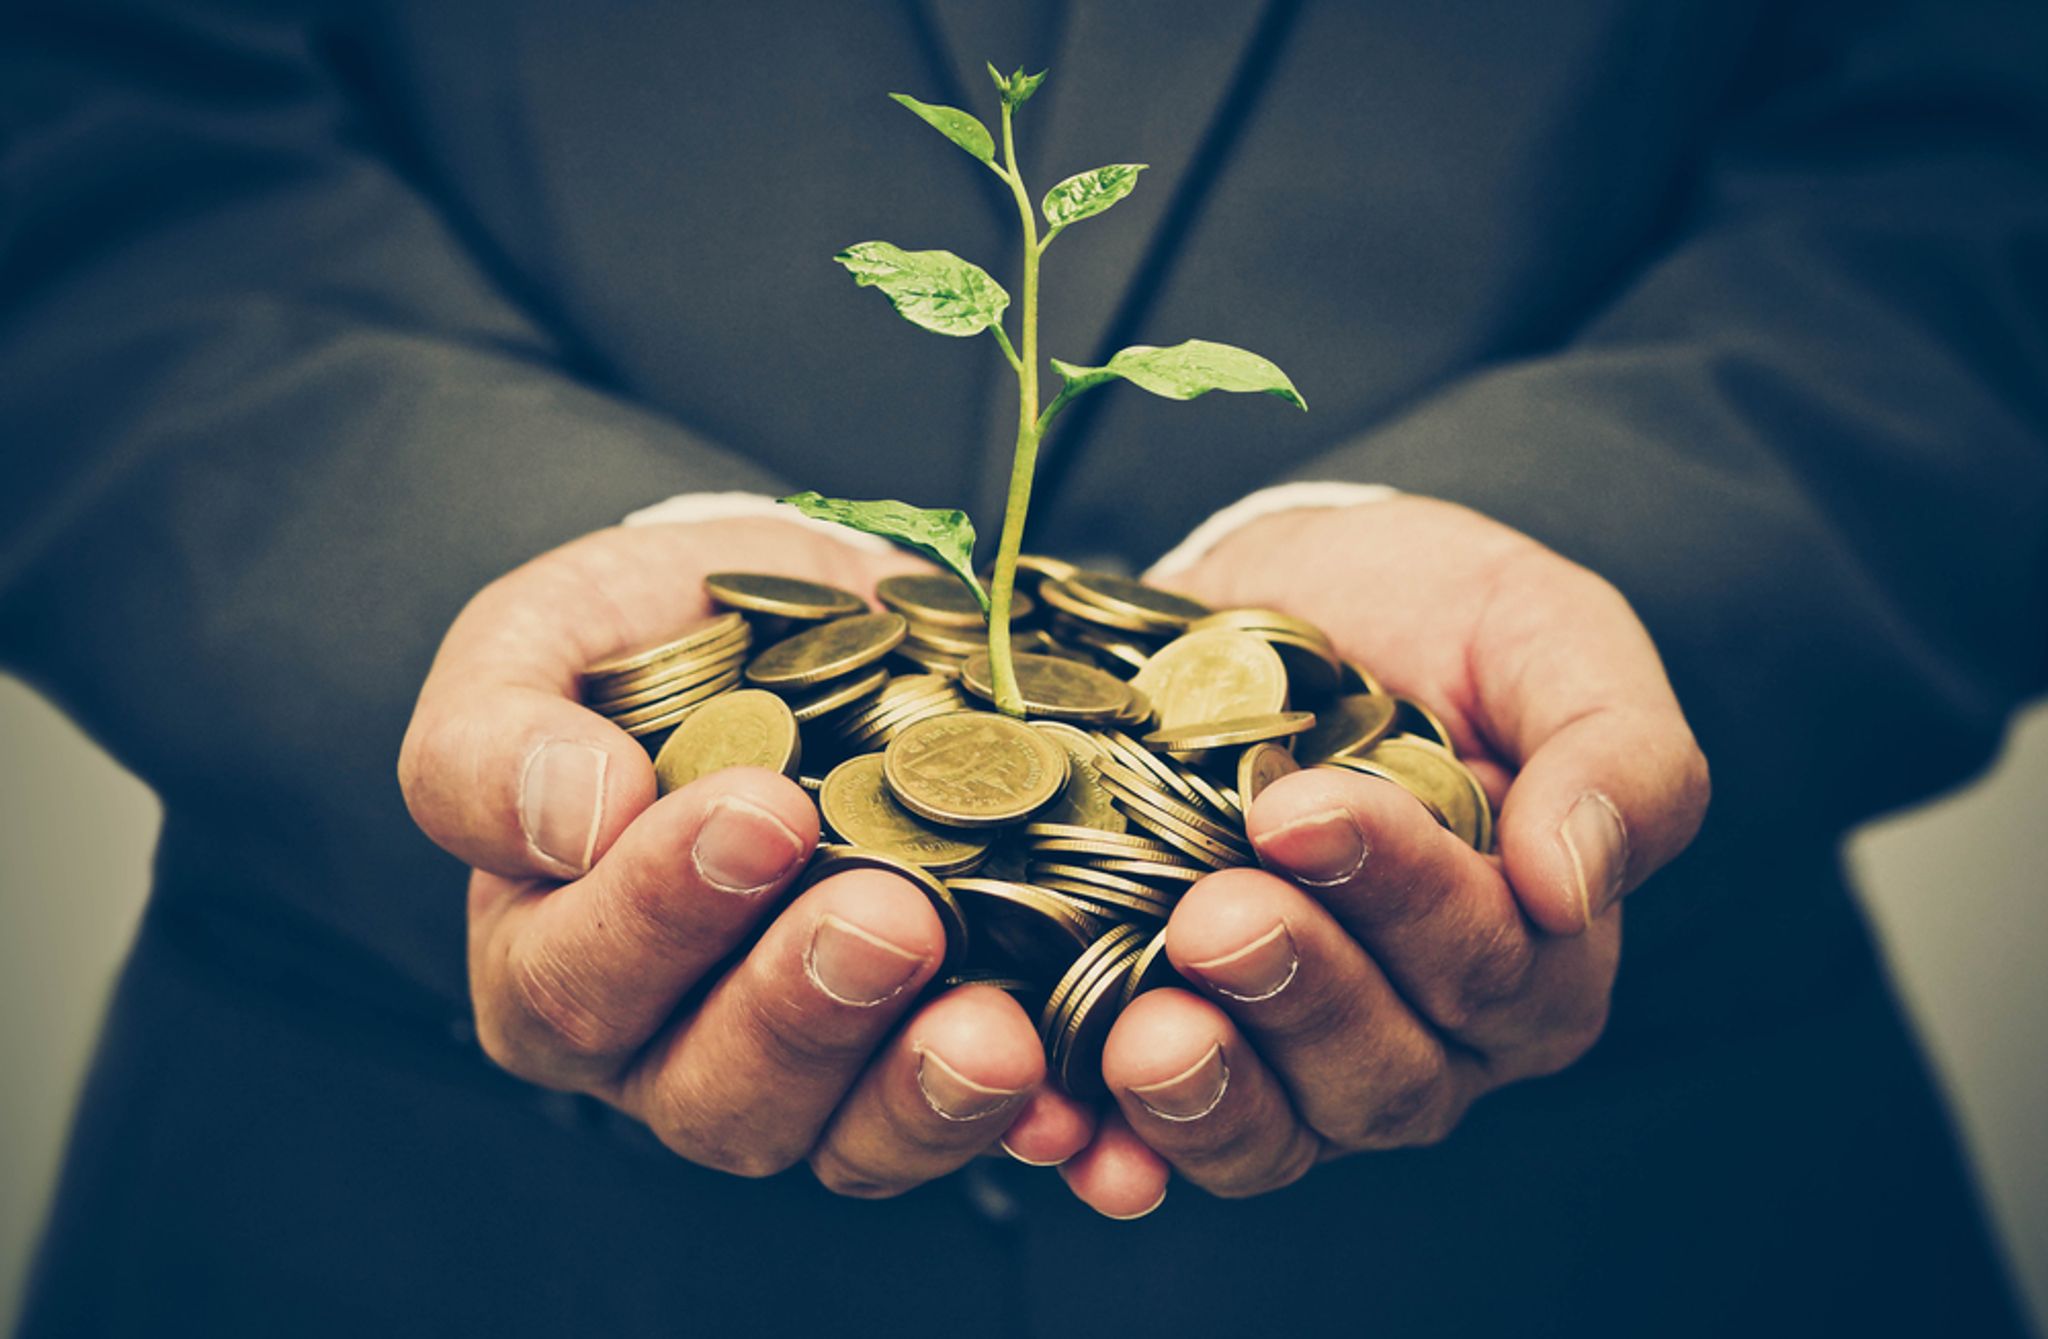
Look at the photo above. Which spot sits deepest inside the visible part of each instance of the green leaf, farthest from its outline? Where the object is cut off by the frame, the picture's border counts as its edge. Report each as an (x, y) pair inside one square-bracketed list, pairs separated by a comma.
[(1017, 88), (934, 289), (1187, 370), (956, 125), (946, 537), (1086, 194)]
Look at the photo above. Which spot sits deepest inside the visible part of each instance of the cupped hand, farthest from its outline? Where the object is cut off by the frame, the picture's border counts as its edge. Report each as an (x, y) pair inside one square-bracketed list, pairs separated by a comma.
[(604, 923), (1377, 976)]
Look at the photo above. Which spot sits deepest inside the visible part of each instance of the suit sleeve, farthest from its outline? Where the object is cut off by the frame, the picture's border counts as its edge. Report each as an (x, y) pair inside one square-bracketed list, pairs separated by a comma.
[(270, 419), (1809, 440)]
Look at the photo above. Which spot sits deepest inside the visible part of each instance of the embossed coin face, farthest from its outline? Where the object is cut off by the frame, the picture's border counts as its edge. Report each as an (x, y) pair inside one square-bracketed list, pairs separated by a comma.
[(859, 807), (1351, 724), (974, 769), (781, 597), (1053, 687), (749, 728), (1213, 675), (827, 651)]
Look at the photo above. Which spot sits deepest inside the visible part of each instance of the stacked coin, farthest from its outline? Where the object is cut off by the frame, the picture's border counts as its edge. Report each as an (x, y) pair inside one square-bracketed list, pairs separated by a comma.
[(1053, 848)]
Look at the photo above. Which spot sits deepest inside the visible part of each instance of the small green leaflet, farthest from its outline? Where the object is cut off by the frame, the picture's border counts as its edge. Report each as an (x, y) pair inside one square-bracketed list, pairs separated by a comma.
[(946, 537), (1086, 194), (1189, 369), (1018, 88), (956, 125), (934, 289)]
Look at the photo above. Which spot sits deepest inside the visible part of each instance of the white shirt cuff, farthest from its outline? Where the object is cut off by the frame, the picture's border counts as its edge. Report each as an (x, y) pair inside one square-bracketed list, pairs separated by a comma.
[(689, 508), (1256, 506)]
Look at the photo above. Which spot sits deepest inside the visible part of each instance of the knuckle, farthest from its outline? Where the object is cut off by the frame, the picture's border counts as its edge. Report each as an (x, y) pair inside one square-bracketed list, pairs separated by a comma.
[(1286, 1162), (682, 1123), (1405, 1110), (1496, 973), (784, 1029), (544, 995)]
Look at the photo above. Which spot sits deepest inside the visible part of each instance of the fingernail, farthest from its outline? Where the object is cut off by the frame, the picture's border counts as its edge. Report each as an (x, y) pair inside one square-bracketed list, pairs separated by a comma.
[(955, 1096), (561, 801), (1004, 1144), (742, 848), (1597, 842), (1191, 1094), (1258, 971), (1134, 1217), (1321, 849), (856, 967)]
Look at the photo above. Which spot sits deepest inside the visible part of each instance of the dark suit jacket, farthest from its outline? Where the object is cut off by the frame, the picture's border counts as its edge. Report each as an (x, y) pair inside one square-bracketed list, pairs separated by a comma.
[(315, 321)]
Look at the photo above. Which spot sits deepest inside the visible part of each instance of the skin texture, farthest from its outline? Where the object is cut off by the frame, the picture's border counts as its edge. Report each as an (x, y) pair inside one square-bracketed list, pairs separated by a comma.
[(602, 921), (1358, 992), (1377, 976)]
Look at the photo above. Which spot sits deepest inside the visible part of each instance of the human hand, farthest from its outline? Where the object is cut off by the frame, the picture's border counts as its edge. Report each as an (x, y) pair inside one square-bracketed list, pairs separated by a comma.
[(603, 921), (1377, 975)]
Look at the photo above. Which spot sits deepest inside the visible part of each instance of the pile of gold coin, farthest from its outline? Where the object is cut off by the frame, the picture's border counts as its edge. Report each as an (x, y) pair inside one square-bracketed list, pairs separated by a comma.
[(1053, 848)]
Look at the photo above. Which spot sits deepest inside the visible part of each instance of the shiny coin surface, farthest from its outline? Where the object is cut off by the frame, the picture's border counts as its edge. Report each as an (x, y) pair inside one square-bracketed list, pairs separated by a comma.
[(1350, 724), (666, 712), (838, 694), (1085, 1017), (1213, 675), (749, 728), (1259, 767), (1434, 774), (1159, 611), (831, 860), (781, 597), (724, 625), (1052, 687), (1084, 803), (941, 600), (1120, 940), (827, 651), (857, 805), (1150, 970), (1220, 734), (974, 769)]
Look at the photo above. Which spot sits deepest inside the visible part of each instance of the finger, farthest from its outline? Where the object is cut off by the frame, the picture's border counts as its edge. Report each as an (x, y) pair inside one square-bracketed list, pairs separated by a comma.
[(1360, 1067), (1051, 1128), (501, 765), (1192, 1088), (568, 982), (1116, 1174), (943, 1090), (1612, 784), (1436, 916), (748, 1080)]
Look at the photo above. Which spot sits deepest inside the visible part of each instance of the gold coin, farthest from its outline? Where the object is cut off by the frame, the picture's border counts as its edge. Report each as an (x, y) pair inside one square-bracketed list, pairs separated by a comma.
[(1060, 598), (901, 699), (946, 642), (827, 651), (1114, 652), (1032, 928), (1052, 687), (1259, 767), (1084, 803), (1040, 568), (1093, 876), (831, 860), (1424, 794), (1178, 826), (840, 693), (930, 662), (1350, 724), (1148, 766), (857, 805), (1085, 1021), (1117, 940), (749, 728), (1162, 612), (1213, 675), (1214, 801), (1150, 970), (1359, 679), (1412, 718), (940, 599), (1228, 733), (974, 769), (1124, 847), (1107, 904), (1449, 784), (781, 597), (1313, 667), (722, 626), (669, 710), (669, 685)]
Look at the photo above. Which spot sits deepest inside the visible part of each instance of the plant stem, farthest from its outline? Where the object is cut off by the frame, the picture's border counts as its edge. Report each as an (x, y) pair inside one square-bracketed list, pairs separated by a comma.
[(1024, 461)]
